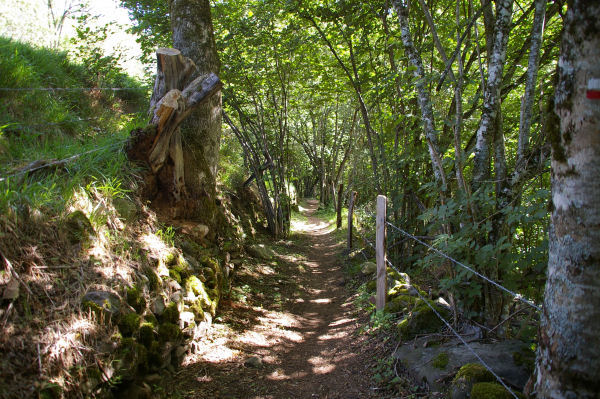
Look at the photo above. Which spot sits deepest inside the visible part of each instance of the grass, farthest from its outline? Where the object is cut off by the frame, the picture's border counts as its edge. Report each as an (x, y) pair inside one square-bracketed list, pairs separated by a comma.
[(54, 125)]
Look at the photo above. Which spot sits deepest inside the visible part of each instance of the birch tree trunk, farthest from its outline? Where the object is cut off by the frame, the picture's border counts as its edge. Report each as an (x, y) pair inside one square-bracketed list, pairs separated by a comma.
[(192, 29), (568, 364), (423, 95), (491, 102)]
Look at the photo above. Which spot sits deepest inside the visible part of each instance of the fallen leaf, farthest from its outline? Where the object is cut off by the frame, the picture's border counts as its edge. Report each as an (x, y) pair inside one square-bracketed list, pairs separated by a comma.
[(12, 289)]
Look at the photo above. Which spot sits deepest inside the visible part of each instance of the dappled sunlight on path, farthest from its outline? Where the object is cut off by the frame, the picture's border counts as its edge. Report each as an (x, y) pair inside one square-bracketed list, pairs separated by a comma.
[(298, 323)]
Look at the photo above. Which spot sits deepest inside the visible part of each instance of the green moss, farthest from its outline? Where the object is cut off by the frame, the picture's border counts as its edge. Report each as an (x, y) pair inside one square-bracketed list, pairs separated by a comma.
[(129, 324), (79, 228), (136, 299), (402, 303), (171, 313), (154, 281), (196, 286), (154, 355), (150, 318), (147, 334), (422, 320), (175, 275), (489, 390), (50, 390), (371, 285), (170, 258), (440, 361), (474, 372), (168, 332), (197, 309), (525, 357)]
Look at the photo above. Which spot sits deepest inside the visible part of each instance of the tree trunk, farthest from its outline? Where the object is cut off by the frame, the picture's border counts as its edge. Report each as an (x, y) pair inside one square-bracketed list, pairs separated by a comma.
[(178, 90), (491, 102), (423, 95), (568, 364), (192, 29)]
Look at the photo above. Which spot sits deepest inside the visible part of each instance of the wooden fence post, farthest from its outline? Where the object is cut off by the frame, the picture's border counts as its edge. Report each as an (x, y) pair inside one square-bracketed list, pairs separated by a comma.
[(380, 252), (351, 202), (339, 206)]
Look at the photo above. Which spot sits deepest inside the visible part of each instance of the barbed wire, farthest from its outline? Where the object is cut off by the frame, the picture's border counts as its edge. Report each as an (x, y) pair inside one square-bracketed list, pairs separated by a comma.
[(17, 124), (62, 161), (483, 363), (71, 88), (448, 325), (514, 294)]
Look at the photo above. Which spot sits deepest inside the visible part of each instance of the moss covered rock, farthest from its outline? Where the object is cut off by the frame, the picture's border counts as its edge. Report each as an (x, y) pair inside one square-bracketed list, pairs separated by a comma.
[(422, 320), (466, 377), (169, 332), (147, 334), (195, 286), (78, 227), (440, 361), (135, 299), (102, 302), (171, 313), (129, 324), (474, 372), (401, 304), (489, 390)]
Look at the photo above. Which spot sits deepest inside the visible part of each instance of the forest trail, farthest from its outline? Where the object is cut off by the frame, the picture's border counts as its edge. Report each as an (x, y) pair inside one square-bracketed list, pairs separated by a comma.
[(297, 317)]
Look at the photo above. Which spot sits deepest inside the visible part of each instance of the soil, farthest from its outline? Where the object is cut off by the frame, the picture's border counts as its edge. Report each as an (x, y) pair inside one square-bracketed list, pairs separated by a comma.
[(296, 317)]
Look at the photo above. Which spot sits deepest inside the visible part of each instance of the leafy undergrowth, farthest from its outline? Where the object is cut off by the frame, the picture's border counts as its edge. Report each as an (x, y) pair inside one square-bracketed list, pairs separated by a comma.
[(75, 227)]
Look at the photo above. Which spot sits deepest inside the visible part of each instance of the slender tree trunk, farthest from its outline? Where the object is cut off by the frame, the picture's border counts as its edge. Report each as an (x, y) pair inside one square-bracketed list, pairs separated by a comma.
[(532, 72), (423, 95), (192, 28), (568, 363), (491, 102)]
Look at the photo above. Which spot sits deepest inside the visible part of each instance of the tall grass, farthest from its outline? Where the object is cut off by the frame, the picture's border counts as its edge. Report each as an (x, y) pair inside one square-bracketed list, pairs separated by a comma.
[(53, 125)]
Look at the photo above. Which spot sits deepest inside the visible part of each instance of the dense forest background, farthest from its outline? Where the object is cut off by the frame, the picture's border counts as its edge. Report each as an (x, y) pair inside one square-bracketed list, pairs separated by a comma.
[(445, 107)]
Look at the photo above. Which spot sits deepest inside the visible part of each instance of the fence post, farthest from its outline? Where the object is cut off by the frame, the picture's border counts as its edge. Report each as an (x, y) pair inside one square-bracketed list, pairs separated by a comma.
[(338, 224), (380, 252), (351, 202)]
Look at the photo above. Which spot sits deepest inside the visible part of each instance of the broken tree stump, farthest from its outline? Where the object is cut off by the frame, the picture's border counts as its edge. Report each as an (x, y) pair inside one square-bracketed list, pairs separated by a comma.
[(178, 89)]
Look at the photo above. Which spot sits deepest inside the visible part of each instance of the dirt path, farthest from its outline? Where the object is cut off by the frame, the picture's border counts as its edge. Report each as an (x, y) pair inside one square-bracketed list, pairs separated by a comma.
[(294, 314)]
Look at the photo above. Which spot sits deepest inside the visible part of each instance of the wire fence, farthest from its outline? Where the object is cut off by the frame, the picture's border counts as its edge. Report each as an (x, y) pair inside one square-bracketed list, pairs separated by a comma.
[(434, 310), (74, 89), (43, 165)]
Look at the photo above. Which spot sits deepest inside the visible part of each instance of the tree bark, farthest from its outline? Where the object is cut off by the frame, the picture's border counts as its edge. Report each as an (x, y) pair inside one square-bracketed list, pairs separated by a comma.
[(423, 95), (568, 364), (532, 72), (192, 29), (492, 99)]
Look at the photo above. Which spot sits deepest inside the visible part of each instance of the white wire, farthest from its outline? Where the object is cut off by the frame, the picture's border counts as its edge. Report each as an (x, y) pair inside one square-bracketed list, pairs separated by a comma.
[(514, 294), (61, 161), (70, 88), (483, 363)]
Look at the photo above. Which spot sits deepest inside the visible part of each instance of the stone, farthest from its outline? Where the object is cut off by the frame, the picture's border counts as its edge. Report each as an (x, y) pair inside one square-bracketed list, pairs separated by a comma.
[(422, 320), (469, 374), (196, 230), (127, 209), (108, 302), (253, 362), (158, 306), (78, 227), (260, 251), (368, 268), (489, 390), (499, 356), (185, 319), (237, 261)]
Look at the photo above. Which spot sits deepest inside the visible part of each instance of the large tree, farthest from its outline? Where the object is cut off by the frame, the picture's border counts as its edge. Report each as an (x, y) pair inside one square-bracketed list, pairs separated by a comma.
[(569, 348), (193, 35)]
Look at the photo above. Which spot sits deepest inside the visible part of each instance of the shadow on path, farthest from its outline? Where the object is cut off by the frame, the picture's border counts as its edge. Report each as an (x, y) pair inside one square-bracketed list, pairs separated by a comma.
[(297, 317)]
